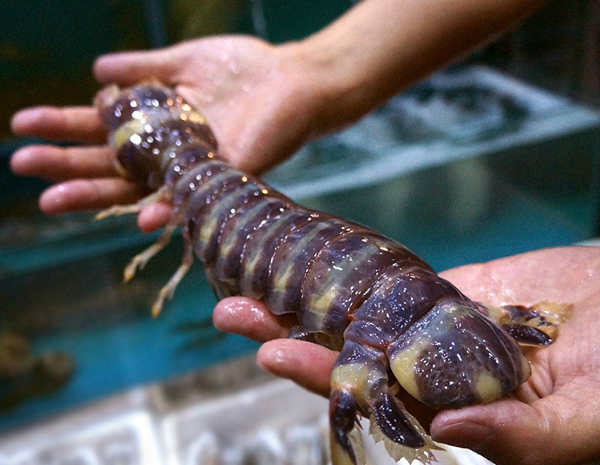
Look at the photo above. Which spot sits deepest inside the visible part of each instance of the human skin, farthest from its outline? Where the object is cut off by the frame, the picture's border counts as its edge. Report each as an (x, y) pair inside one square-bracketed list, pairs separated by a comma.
[(262, 101), (554, 418)]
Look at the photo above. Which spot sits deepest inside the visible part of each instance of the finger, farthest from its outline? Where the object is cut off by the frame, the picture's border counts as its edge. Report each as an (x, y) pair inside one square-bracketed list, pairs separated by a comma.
[(508, 431), (61, 164), (74, 124), (79, 195), (131, 67), (305, 363), (251, 319), (155, 216), (480, 429)]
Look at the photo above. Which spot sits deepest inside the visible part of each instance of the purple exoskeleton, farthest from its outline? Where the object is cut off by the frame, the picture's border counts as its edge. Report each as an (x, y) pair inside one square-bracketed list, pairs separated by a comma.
[(396, 323)]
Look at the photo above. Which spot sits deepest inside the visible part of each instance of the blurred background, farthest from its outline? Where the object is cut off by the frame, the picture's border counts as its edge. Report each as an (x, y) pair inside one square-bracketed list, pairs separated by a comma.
[(494, 156)]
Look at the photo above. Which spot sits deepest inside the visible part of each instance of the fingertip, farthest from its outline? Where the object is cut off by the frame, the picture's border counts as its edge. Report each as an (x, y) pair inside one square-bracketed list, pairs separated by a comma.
[(283, 356), (506, 430), (305, 363), (53, 199), (229, 312), (17, 121), (220, 316), (24, 120), (462, 428), (155, 216), (467, 435), (102, 65), (21, 160), (447, 418), (130, 67), (249, 318), (271, 356)]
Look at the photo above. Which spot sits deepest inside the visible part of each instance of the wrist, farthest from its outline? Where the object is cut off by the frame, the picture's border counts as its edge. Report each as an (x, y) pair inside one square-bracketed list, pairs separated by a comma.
[(331, 95), (379, 47)]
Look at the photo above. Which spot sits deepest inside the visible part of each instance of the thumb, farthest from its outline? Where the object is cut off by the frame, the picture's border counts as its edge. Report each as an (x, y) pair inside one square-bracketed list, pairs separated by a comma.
[(504, 429), (553, 430)]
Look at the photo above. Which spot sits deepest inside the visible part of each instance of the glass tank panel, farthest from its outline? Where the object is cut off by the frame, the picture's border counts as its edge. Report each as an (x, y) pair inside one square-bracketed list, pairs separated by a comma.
[(467, 166)]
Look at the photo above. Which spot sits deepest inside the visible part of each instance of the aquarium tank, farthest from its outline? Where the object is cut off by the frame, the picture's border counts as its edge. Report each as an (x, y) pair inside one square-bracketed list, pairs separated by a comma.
[(493, 156)]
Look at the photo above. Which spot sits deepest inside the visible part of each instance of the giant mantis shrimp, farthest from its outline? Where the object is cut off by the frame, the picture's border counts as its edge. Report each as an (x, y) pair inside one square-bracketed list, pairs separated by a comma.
[(397, 324)]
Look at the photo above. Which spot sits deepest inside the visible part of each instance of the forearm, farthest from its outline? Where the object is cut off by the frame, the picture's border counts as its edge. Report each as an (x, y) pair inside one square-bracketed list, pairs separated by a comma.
[(380, 47)]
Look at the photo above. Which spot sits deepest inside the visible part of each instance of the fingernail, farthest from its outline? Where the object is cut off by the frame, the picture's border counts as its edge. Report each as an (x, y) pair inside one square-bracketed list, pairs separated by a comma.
[(464, 434)]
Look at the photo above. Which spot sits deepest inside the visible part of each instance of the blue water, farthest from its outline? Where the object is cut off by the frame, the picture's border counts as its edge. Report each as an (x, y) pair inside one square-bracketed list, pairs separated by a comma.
[(68, 294), (114, 353), (116, 345)]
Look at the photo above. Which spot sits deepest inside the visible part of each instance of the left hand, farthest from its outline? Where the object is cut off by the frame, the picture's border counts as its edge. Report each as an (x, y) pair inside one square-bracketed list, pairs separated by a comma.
[(553, 418), (257, 98)]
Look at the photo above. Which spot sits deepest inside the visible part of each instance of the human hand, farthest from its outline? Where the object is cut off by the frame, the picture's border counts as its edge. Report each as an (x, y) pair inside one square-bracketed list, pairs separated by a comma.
[(255, 96), (262, 101), (554, 418)]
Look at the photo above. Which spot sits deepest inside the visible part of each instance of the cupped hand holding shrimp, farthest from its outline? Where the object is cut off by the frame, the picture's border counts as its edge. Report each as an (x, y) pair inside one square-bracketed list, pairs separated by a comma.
[(262, 101), (554, 418), (258, 105)]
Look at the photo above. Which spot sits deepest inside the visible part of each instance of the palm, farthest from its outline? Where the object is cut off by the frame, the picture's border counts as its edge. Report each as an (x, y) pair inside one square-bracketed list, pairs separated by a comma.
[(565, 382), (249, 95), (252, 98), (553, 417), (261, 111), (573, 282)]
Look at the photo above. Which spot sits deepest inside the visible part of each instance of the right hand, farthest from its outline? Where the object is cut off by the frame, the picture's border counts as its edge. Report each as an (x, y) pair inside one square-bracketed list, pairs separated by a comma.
[(553, 418), (256, 97)]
